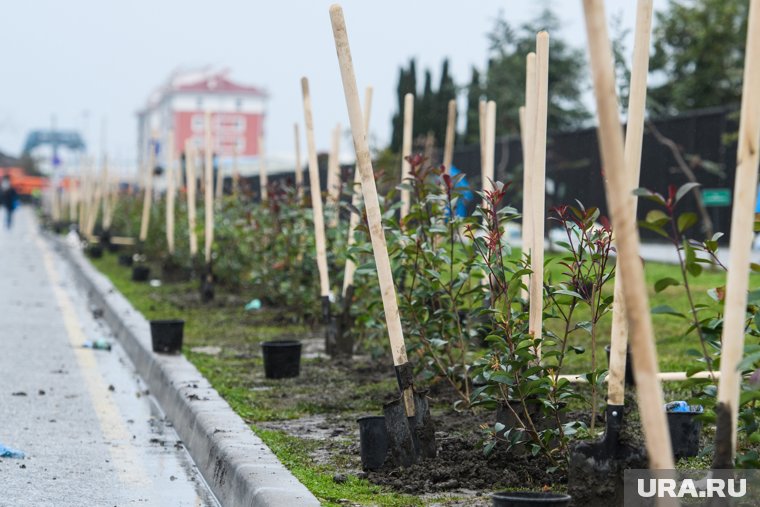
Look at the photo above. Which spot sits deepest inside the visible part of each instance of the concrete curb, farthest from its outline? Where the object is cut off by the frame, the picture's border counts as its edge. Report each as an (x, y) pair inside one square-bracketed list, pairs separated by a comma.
[(239, 467)]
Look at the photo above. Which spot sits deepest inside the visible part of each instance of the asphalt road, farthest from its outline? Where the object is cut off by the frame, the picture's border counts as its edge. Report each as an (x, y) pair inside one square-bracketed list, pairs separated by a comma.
[(91, 432)]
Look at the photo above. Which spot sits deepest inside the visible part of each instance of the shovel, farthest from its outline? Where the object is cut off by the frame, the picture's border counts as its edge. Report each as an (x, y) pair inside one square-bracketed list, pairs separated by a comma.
[(617, 186), (411, 433), (605, 461), (737, 285), (331, 326)]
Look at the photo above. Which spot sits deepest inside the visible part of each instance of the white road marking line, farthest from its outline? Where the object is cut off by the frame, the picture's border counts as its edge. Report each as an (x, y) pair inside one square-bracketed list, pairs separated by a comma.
[(112, 426)]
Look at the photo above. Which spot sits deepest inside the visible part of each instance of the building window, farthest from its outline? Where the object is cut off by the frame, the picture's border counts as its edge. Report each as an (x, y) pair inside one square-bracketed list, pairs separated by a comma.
[(238, 104), (199, 103)]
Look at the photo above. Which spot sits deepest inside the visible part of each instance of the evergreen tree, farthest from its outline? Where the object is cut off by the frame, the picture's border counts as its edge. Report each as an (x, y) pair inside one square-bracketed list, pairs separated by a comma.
[(474, 94)]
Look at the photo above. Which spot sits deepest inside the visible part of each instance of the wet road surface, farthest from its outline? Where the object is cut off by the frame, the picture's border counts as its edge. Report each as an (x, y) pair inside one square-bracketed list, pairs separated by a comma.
[(91, 432)]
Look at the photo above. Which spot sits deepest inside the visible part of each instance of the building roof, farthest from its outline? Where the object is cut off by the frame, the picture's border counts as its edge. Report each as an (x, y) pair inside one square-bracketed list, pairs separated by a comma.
[(203, 80)]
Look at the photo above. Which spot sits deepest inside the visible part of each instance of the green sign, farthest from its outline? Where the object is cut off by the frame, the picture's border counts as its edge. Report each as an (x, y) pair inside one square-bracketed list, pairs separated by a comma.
[(716, 197)]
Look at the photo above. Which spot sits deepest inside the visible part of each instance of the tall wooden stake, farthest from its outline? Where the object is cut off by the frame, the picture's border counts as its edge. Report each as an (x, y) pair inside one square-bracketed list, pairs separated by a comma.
[(171, 181), (148, 194), (299, 167), (192, 184), (333, 178), (448, 146), (538, 193), (316, 193), (406, 150), (208, 200), (528, 131), (263, 176)]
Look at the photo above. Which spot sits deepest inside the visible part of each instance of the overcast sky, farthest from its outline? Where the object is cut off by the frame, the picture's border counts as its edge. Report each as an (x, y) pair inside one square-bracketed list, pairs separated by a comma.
[(88, 60)]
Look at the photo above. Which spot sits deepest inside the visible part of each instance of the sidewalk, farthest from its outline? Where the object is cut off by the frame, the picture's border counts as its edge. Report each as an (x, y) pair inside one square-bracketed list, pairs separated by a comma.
[(91, 432)]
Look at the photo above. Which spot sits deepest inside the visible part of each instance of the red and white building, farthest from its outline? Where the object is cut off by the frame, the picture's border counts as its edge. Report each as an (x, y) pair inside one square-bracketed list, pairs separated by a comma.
[(237, 115)]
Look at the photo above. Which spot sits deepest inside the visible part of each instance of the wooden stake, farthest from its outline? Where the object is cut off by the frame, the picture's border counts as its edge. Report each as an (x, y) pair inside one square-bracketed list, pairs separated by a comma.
[(170, 183), (263, 176), (490, 145), (208, 201), (316, 193), (406, 150), (333, 178), (219, 188), (528, 130), (538, 192), (348, 276), (374, 216), (617, 183), (148, 193), (742, 220), (192, 184), (299, 167), (482, 131), (448, 146), (634, 138), (235, 171)]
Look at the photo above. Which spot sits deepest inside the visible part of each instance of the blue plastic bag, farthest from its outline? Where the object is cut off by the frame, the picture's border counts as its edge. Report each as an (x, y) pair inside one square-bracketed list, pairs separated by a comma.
[(7, 452)]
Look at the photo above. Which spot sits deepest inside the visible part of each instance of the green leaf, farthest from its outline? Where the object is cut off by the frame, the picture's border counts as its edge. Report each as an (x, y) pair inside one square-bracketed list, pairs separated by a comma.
[(663, 283), (684, 189), (657, 217), (577, 350), (667, 310), (686, 220)]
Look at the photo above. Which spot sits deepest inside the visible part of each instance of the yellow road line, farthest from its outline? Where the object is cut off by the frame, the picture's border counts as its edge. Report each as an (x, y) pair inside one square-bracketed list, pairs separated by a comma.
[(112, 426)]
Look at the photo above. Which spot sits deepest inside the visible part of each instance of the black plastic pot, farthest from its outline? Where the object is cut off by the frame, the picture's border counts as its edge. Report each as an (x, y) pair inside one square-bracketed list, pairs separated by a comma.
[(373, 441), (140, 273), (685, 429), (95, 251), (282, 359), (628, 365), (166, 335), (126, 260), (530, 499)]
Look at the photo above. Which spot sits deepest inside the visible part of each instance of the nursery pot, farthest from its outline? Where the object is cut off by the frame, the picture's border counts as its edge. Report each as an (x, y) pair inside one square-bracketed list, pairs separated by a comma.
[(166, 335), (530, 499), (126, 260), (373, 441), (628, 365), (282, 359), (685, 429), (140, 273), (95, 251)]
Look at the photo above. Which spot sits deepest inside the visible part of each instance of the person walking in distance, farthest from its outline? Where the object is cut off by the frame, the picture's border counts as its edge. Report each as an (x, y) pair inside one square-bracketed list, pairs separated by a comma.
[(8, 200)]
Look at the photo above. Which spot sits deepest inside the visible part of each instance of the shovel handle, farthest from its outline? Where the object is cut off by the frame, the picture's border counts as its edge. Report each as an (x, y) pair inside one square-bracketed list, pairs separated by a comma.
[(634, 137), (191, 182), (617, 185), (208, 195), (364, 163), (742, 218)]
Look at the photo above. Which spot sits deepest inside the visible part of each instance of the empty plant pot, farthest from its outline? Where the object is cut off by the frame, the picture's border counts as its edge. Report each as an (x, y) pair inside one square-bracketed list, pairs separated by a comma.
[(140, 273), (166, 335), (685, 430), (95, 251), (282, 359), (126, 259), (628, 365), (373, 441), (530, 499)]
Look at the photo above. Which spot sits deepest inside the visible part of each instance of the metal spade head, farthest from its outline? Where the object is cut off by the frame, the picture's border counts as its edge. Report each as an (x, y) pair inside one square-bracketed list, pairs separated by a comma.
[(596, 468), (410, 437)]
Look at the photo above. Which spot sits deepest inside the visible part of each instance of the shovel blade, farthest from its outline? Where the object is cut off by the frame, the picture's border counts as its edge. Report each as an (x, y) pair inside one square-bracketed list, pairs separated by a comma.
[(410, 438), (595, 471)]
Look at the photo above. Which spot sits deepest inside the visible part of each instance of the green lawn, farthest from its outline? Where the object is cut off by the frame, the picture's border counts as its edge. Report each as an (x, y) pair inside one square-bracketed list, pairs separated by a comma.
[(237, 371)]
